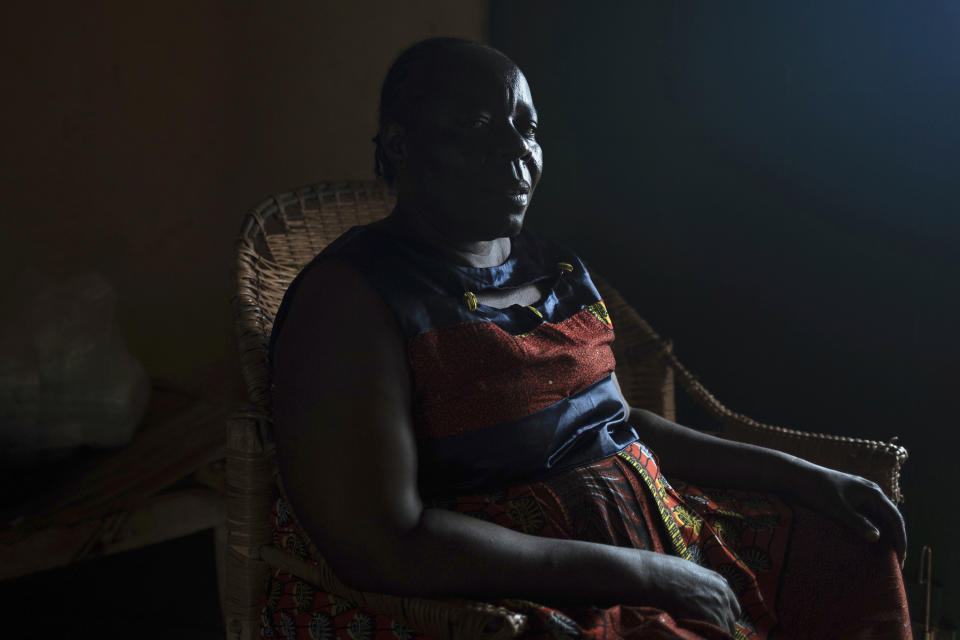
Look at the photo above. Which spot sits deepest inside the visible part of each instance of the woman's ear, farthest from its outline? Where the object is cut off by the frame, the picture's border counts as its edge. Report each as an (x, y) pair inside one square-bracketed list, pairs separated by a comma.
[(394, 140)]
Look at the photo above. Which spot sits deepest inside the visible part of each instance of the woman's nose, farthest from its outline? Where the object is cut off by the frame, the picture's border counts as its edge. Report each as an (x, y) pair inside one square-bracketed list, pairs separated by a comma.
[(513, 145)]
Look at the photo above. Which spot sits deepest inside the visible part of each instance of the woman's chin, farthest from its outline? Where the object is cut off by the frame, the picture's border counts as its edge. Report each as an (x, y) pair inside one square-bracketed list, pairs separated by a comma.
[(508, 225), (515, 224), (488, 221)]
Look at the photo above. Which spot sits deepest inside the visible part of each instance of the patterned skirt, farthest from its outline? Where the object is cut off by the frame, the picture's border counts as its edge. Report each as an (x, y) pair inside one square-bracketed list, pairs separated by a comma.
[(796, 574)]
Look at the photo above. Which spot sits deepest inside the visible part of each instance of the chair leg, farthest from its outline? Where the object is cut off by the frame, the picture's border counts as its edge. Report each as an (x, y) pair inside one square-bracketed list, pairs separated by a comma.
[(250, 489), (220, 553)]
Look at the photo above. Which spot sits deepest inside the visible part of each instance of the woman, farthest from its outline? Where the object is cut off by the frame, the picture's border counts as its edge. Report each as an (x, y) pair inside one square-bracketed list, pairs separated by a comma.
[(448, 422)]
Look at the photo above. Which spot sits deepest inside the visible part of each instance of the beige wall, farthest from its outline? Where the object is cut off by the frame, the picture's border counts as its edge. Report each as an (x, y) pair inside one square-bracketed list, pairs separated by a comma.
[(135, 138)]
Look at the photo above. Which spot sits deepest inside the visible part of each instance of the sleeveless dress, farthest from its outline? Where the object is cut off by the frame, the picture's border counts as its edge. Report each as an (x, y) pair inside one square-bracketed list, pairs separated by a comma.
[(518, 422)]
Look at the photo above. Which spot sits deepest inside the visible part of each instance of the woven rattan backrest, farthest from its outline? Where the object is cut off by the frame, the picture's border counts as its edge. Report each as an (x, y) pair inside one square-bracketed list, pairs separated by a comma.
[(278, 238)]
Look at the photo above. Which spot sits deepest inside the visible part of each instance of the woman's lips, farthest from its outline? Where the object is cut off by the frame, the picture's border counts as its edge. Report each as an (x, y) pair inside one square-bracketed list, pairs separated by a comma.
[(512, 199), (518, 188), (517, 194)]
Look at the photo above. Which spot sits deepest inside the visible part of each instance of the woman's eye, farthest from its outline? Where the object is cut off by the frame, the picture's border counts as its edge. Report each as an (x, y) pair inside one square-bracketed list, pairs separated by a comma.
[(478, 124), (530, 131)]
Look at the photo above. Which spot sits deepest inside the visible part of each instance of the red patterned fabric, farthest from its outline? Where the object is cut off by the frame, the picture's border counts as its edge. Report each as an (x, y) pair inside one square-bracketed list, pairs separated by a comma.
[(797, 575), (524, 372)]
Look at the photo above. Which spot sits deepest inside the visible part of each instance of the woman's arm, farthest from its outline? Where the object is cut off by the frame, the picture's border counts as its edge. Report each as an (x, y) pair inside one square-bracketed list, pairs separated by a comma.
[(711, 461), (347, 457)]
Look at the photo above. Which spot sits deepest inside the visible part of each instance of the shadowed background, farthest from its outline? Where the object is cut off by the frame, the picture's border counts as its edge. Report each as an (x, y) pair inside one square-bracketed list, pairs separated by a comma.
[(774, 186), (135, 136)]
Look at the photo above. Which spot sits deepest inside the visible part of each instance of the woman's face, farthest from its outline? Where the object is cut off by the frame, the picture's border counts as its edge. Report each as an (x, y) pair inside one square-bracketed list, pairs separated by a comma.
[(473, 163)]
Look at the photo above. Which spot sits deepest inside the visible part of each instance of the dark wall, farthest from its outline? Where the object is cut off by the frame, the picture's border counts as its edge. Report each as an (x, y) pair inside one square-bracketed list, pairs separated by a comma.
[(135, 138), (775, 186)]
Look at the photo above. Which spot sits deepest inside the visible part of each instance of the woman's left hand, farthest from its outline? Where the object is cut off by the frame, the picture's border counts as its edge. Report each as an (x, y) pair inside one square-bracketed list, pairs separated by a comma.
[(855, 502)]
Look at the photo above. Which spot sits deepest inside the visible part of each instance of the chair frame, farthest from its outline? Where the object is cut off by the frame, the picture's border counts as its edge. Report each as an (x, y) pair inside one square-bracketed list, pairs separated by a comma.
[(277, 238)]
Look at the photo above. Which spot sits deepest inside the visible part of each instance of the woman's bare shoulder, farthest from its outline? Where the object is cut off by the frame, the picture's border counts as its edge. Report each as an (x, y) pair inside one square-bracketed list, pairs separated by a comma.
[(339, 340), (332, 301), (329, 279)]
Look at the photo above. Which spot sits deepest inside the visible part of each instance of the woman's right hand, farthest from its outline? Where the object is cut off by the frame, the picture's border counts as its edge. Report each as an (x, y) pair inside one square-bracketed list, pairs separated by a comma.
[(686, 590)]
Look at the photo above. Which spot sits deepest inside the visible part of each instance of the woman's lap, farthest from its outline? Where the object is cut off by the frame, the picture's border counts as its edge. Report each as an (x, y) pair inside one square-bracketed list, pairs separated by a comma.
[(787, 564)]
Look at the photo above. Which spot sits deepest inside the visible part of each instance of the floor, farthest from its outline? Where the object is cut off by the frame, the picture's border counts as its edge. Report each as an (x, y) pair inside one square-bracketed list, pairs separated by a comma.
[(165, 591)]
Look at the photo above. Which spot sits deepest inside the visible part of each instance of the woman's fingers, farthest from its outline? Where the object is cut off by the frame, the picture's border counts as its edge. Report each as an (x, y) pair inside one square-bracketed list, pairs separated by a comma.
[(867, 528), (731, 612), (717, 602), (882, 515), (891, 521), (861, 506), (852, 512)]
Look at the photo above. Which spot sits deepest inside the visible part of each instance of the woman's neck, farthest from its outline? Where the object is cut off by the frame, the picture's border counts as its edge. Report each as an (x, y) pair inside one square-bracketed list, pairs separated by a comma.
[(472, 253)]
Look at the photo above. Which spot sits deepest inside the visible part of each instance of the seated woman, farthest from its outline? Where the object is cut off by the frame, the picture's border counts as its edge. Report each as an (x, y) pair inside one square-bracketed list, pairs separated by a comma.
[(448, 421)]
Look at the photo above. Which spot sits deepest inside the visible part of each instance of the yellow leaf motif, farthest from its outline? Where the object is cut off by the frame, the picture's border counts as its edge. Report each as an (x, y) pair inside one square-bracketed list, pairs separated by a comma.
[(729, 531), (599, 311), (729, 514), (688, 518)]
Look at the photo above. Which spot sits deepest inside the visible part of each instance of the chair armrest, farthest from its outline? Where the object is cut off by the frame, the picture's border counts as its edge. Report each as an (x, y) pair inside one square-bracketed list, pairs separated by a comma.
[(453, 619), (872, 459), (647, 370)]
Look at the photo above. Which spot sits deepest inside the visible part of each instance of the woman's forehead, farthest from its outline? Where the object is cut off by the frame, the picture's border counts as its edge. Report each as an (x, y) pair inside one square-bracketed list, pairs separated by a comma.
[(484, 86)]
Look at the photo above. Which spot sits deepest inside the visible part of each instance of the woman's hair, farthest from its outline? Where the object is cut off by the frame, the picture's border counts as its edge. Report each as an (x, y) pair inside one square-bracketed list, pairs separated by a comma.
[(408, 85)]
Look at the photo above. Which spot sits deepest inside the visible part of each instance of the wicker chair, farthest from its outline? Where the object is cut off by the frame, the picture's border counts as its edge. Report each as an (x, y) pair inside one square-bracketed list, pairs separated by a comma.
[(277, 239)]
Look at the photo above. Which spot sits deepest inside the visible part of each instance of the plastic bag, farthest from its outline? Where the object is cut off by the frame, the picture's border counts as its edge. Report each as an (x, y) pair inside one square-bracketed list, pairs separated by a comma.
[(66, 377)]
